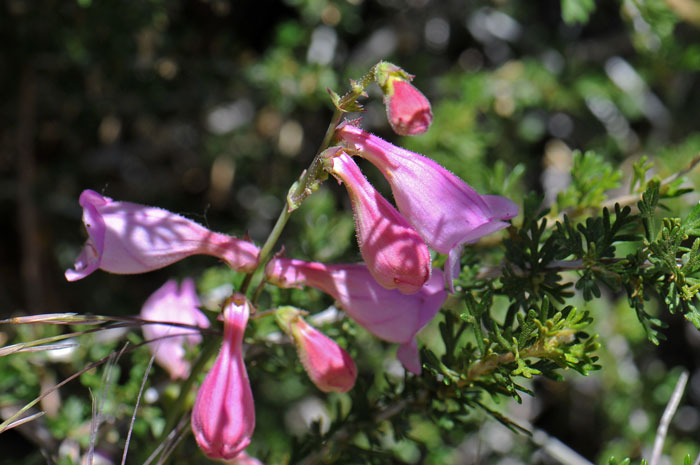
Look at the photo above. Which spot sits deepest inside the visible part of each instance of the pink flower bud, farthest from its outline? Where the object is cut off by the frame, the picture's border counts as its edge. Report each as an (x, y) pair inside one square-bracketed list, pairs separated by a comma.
[(388, 314), (223, 417), (172, 305), (407, 109), (395, 254), (127, 238), (328, 365), (446, 211)]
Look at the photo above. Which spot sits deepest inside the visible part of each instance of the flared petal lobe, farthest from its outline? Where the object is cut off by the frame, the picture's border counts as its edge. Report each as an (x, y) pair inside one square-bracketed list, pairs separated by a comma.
[(172, 305), (328, 365), (445, 210), (223, 417), (394, 252), (407, 354), (128, 238), (388, 314)]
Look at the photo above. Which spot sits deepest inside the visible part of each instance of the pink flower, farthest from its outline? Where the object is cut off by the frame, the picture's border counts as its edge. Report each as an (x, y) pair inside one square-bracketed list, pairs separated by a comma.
[(445, 210), (223, 417), (328, 365), (388, 314), (172, 305), (407, 109), (395, 254), (127, 238), (244, 459)]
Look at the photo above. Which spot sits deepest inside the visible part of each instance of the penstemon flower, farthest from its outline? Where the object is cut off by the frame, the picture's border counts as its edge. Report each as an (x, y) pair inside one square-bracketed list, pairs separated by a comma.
[(328, 365), (407, 109), (445, 210), (388, 314), (393, 295), (127, 238), (223, 417), (394, 253), (172, 305)]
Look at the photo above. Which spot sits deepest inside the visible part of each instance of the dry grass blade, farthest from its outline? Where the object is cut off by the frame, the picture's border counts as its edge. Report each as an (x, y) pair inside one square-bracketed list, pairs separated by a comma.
[(45, 344), (97, 410), (158, 449), (4, 426), (666, 418), (120, 323), (181, 432), (24, 420), (136, 407), (21, 346), (140, 322), (170, 442), (67, 345), (58, 319)]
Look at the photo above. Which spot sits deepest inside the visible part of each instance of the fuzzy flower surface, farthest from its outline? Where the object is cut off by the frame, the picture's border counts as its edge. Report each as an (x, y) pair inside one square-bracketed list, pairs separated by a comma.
[(223, 417), (387, 313), (128, 238), (394, 252), (442, 208), (171, 304)]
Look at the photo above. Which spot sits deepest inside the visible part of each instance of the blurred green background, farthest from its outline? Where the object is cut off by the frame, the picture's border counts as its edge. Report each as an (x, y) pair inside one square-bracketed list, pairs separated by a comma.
[(211, 108)]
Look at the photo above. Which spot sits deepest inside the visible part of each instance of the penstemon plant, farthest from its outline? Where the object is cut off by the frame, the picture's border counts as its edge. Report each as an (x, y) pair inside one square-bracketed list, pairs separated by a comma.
[(494, 278)]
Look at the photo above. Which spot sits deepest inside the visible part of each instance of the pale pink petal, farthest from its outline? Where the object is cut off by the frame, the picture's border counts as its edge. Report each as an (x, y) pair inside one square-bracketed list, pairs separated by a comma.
[(179, 306), (128, 238)]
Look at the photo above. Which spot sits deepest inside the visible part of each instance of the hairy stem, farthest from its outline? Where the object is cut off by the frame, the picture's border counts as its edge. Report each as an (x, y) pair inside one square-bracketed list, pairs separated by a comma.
[(299, 191)]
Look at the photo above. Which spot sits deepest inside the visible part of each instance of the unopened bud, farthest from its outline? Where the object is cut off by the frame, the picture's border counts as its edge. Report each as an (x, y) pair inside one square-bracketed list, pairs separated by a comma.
[(407, 109), (328, 365)]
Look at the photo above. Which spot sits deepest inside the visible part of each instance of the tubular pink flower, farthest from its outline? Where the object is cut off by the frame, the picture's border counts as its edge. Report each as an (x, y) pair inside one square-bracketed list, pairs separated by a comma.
[(223, 417), (127, 238), (172, 305), (445, 210), (407, 109), (388, 314), (395, 254), (328, 365)]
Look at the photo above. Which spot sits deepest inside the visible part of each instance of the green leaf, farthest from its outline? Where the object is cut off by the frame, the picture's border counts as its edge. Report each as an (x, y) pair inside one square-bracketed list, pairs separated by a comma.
[(691, 224), (591, 177), (647, 207), (576, 11)]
